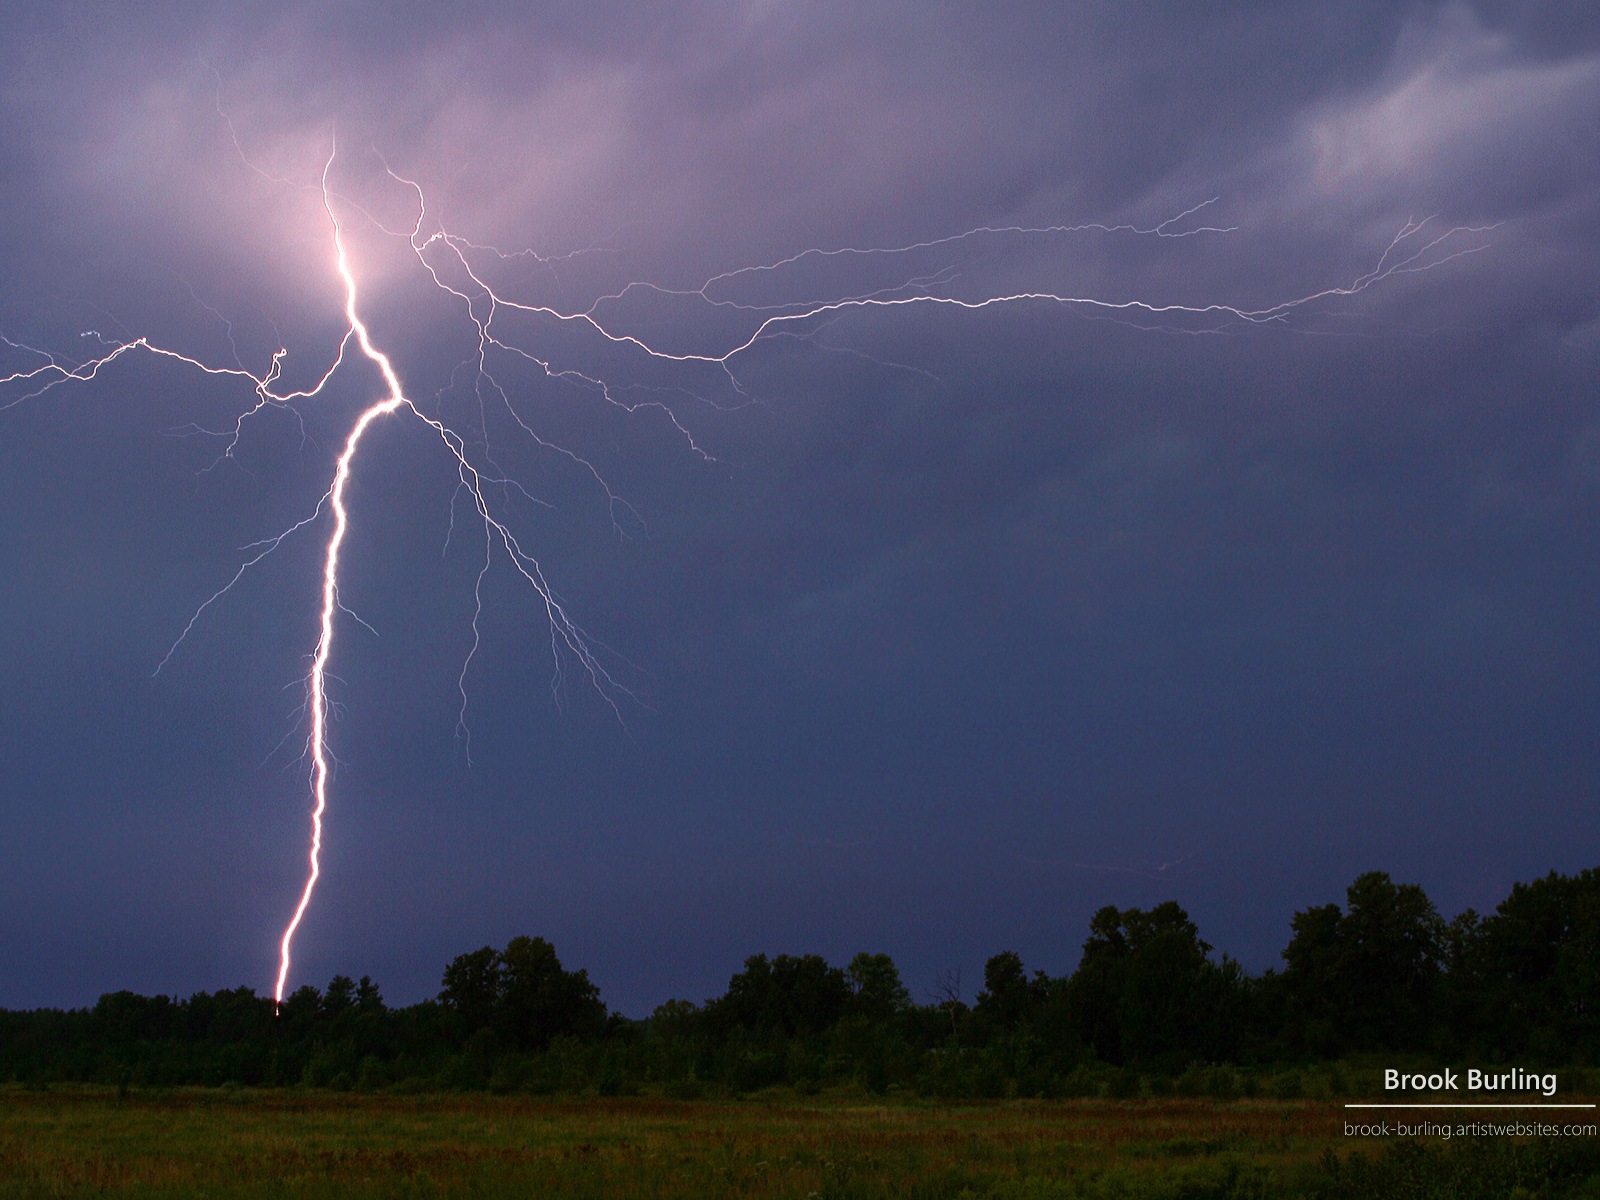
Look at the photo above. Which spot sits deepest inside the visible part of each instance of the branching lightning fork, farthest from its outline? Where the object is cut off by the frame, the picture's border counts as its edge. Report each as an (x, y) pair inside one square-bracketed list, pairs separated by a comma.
[(462, 269)]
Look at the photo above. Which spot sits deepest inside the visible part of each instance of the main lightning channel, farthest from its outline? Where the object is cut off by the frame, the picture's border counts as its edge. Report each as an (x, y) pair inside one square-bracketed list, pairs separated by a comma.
[(565, 633), (320, 768)]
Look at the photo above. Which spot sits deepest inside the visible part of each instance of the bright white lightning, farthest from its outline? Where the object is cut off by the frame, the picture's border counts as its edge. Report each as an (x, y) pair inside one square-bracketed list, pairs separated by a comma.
[(330, 581), (1416, 247), (394, 400)]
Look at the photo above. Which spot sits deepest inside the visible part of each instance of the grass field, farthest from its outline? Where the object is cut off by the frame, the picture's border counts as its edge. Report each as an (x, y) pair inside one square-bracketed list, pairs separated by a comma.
[(218, 1143)]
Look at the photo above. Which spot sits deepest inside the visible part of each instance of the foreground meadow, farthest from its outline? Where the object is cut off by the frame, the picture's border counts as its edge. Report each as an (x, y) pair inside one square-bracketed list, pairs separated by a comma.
[(218, 1143)]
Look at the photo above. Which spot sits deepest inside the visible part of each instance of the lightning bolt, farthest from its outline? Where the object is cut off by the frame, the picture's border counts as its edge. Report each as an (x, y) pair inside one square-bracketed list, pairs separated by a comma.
[(461, 269), (393, 401), (330, 576)]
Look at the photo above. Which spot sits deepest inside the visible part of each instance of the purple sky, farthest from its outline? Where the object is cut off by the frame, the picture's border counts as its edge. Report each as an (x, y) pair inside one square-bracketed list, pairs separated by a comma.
[(965, 624)]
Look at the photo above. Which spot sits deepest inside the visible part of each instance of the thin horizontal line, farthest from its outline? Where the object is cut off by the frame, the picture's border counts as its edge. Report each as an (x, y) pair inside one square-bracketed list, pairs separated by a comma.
[(1469, 1106)]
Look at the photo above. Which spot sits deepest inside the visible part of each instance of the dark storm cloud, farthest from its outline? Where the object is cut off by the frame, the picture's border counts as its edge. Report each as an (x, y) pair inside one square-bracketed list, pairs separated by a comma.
[(704, 134), (1039, 591)]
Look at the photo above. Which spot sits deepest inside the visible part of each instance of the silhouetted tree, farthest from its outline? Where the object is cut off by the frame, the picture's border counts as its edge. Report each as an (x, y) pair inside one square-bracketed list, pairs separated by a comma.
[(1532, 968), (124, 1018), (339, 998), (1366, 978), (1177, 1005), (299, 1014), (540, 1001), (876, 991), (1095, 990), (1008, 998), (789, 995), (676, 1019), (1146, 990), (947, 1000), (472, 987), (1381, 973), (368, 998)]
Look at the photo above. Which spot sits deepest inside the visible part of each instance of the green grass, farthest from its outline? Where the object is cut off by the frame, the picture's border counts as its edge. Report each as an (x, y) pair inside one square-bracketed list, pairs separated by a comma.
[(250, 1143)]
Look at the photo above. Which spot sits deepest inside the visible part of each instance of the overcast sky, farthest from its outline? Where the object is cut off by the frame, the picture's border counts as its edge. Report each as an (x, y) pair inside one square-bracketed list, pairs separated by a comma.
[(944, 626)]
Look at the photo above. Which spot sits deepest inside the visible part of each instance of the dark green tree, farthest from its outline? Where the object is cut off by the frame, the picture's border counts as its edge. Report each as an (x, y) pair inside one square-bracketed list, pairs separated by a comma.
[(1366, 978), (472, 986), (876, 991), (1009, 997), (787, 996), (1532, 968), (1094, 993), (676, 1019), (1147, 992), (124, 1018), (340, 998), (540, 1001), (368, 998)]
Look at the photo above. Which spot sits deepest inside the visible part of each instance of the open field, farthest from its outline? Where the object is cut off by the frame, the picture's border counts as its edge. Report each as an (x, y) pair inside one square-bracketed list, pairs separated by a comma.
[(218, 1143)]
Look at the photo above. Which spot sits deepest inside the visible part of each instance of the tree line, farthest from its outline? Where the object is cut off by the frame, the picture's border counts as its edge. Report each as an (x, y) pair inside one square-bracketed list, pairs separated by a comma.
[(1149, 1005)]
